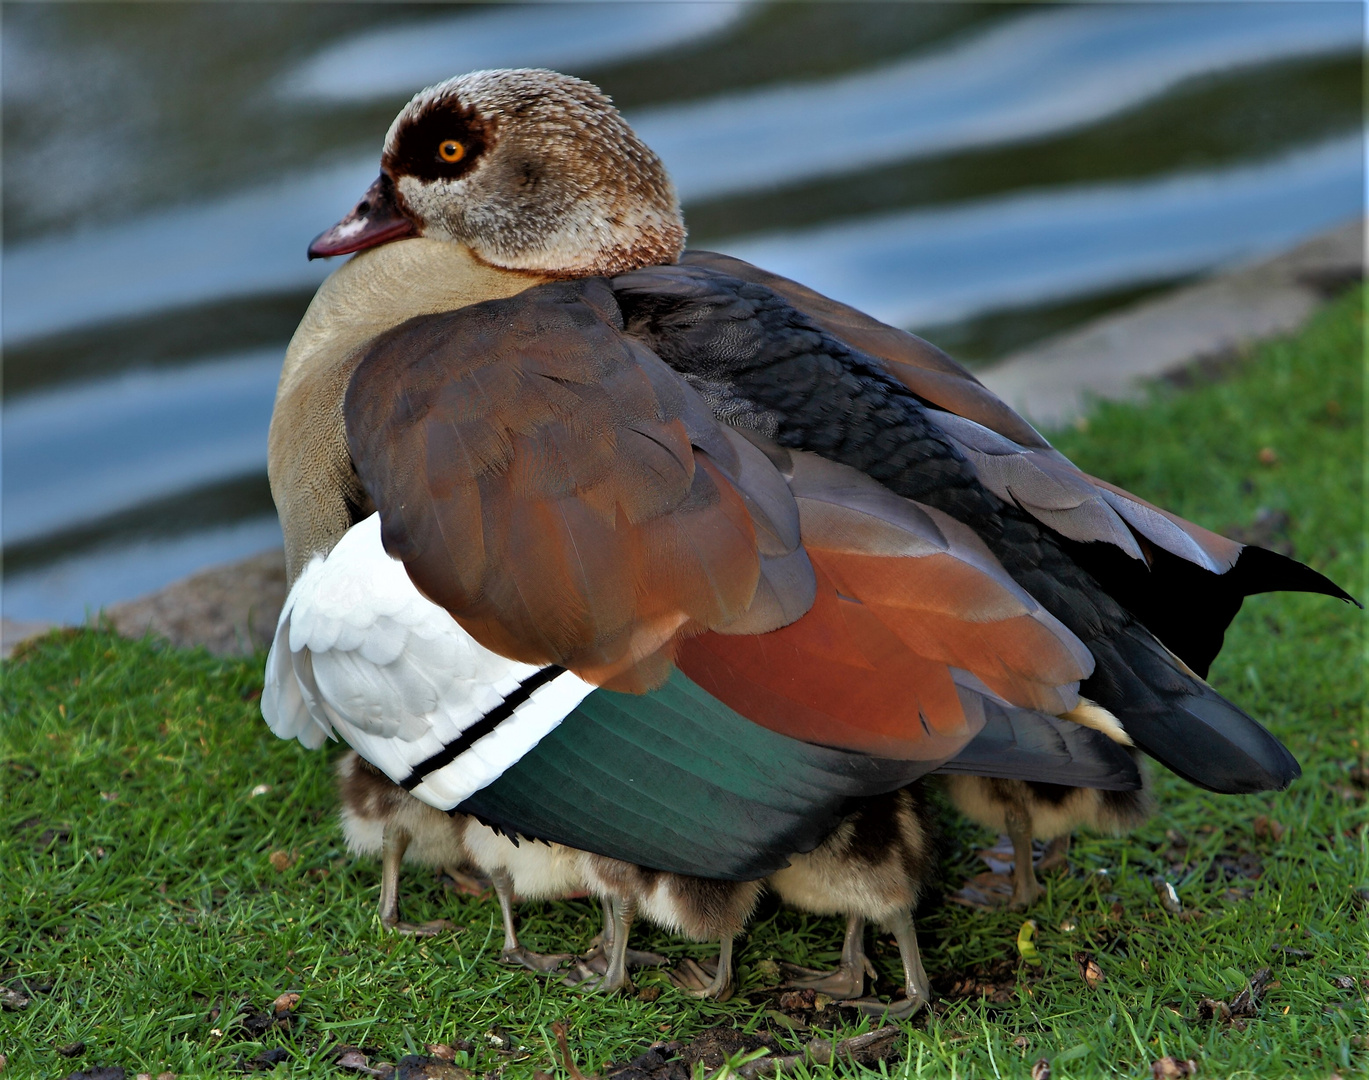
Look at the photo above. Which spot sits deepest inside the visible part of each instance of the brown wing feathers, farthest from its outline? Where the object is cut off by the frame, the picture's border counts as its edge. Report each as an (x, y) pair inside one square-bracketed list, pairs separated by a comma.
[(905, 596), (837, 677), (932, 581), (542, 486)]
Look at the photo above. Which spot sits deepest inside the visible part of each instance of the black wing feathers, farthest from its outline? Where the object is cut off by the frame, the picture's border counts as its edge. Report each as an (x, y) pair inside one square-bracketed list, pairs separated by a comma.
[(1019, 744)]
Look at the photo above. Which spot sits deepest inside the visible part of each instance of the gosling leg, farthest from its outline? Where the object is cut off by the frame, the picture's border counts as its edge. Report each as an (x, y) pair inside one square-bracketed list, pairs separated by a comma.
[(1026, 890), (596, 958), (623, 911), (513, 952), (848, 980), (394, 842)]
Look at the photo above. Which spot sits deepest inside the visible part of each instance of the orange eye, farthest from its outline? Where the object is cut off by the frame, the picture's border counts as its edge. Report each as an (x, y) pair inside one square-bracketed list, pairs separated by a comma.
[(451, 151)]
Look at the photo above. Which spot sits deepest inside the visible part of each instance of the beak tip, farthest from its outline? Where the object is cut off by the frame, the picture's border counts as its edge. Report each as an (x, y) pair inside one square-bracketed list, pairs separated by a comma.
[(318, 247)]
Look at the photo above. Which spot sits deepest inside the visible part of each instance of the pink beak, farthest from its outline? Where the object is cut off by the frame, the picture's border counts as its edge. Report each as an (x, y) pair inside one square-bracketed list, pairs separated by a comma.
[(376, 220)]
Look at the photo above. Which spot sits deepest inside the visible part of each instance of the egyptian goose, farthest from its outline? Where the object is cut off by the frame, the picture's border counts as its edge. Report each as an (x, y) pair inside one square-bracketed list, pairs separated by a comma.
[(763, 553)]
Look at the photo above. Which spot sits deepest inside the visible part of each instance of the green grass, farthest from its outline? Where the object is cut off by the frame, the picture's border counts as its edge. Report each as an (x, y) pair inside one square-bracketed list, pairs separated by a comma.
[(136, 879)]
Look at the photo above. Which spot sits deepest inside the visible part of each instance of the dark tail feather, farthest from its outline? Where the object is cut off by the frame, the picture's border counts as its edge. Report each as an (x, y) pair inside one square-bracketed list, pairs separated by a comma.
[(1234, 753), (1019, 744), (1189, 607), (1184, 724), (1258, 570)]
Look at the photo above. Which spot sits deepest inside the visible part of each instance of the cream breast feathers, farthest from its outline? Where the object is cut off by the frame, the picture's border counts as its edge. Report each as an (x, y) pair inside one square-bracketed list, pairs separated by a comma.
[(381, 288)]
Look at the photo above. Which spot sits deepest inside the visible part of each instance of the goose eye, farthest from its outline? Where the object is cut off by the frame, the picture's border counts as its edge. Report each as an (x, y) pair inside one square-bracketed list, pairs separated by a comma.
[(451, 151)]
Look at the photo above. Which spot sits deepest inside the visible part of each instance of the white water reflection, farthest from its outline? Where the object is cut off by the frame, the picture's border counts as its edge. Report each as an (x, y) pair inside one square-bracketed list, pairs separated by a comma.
[(81, 452), (936, 266), (399, 61), (71, 590), (1037, 74)]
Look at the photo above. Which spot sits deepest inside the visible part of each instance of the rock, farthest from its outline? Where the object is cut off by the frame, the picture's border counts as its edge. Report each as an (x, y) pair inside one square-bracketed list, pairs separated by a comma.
[(14, 632), (231, 610), (1207, 323)]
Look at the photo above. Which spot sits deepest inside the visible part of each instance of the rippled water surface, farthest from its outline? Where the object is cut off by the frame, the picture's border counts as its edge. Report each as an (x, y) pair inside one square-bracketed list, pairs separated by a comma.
[(984, 172)]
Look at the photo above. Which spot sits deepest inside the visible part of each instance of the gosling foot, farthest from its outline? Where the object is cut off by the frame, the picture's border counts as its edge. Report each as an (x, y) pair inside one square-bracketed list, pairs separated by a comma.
[(608, 982), (899, 1009), (467, 884), (597, 959), (846, 981), (1026, 890), (542, 963), (710, 979), (427, 929)]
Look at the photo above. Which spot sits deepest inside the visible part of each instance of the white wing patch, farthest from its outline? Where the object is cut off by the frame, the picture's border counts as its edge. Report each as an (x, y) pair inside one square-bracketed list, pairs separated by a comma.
[(360, 654)]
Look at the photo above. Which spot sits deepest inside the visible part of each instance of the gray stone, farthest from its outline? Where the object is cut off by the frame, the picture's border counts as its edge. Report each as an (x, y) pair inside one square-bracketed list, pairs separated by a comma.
[(1052, 382), (231, 610), (13, 632)]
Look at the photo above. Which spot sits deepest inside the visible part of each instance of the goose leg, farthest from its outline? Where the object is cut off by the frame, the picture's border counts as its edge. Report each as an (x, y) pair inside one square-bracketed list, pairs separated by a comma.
[(394, 842), (848, 980), (1026, 890), (917, 990), (513, 952), (695, 979)]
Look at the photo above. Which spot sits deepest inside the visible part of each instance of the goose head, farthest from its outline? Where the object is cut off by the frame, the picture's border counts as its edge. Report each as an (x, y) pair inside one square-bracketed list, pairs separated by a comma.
[(531, 170)]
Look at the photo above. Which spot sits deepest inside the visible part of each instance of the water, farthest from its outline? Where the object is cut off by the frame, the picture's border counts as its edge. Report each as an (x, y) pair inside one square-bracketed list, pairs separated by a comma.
[(992, 171)]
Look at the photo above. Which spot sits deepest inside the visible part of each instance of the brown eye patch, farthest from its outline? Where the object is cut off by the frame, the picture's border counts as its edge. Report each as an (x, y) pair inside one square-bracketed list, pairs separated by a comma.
[(442, 143)]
